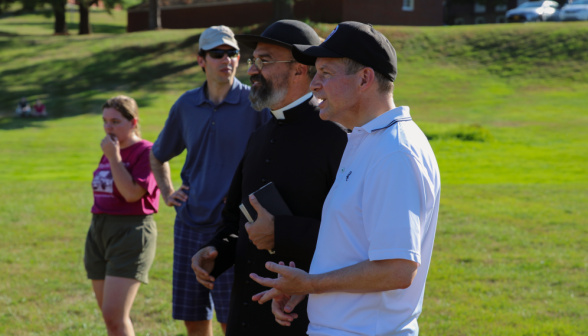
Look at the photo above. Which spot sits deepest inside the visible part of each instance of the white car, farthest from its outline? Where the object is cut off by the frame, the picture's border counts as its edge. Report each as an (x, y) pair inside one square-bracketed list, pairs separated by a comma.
[(577, 10), (533, 11)]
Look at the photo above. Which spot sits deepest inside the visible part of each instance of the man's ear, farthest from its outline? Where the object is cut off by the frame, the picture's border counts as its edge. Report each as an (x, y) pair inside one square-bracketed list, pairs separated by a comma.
[(201, 61), (368, 78), (300, 70)]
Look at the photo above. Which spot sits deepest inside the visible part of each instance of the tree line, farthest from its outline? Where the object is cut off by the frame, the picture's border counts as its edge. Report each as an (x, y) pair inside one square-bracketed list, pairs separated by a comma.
[(283, 9), (58, 11)]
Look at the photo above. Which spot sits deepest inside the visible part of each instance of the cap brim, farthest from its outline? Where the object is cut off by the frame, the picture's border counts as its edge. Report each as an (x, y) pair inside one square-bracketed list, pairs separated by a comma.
[(307, 54), (251, 41), (225, 40)]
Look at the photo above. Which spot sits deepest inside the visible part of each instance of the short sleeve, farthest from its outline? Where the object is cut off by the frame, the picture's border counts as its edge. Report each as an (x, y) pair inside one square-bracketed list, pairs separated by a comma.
[(170, 142), (391, 209), (142, 174)]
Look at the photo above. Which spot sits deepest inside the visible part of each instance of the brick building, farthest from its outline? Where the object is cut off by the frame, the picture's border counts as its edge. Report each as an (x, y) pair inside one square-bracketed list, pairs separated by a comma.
[(179, 14)]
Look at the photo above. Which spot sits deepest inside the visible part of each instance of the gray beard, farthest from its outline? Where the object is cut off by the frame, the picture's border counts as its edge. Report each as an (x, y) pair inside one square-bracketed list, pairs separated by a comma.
[(260, 101), (268, 95)]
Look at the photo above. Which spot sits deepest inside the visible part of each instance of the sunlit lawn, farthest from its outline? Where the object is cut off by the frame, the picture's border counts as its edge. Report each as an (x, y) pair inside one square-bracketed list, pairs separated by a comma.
[(510, 253)]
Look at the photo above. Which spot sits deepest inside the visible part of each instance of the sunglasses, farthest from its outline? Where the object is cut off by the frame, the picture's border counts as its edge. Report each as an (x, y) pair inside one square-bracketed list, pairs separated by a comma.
[(220, 53)]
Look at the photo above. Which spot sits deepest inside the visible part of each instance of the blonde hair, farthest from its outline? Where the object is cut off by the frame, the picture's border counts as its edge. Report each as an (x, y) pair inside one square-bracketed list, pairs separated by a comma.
[(127, 106)]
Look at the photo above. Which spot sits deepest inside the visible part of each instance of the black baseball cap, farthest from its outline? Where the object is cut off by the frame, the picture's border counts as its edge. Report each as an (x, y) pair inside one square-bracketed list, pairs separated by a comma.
[(357, 41), (283, 33)]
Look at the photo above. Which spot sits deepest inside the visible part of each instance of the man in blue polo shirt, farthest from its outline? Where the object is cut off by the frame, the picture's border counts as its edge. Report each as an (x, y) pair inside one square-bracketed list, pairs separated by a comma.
[(213, 123)]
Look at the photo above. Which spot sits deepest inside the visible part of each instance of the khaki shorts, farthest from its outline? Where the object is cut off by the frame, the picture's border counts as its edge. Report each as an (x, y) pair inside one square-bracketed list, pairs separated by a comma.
[(122, 246)]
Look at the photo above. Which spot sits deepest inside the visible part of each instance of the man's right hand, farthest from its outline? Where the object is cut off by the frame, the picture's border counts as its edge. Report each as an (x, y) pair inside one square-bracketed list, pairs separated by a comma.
[(203, 264), (177, 197), (283, 306)]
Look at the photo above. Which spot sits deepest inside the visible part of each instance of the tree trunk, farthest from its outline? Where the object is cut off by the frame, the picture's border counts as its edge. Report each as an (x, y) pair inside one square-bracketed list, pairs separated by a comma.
[(154, 15), (84, 27), (283, 10), (60, 22)]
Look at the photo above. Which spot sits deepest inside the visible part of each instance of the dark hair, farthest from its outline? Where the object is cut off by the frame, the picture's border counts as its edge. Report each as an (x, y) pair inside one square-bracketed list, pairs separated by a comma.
[(127, 107), (202, 53), (384, 84)]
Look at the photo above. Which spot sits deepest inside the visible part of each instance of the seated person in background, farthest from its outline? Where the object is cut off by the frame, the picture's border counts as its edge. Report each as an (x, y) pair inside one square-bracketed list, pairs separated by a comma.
[(39, 109), (23, 109)]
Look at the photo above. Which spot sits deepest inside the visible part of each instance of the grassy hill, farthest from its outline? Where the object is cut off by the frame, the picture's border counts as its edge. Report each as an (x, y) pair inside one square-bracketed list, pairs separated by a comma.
[(505, 107)]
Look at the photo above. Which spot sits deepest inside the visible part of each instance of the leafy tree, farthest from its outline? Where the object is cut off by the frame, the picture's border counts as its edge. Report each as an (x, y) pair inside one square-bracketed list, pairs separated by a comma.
[(154, 15), (84, 9), (58, 6), (283, 9), (84, 26), (57, 11), (5, 5)]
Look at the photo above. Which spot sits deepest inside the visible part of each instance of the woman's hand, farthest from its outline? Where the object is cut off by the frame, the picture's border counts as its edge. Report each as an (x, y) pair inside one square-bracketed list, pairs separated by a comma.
[(111, 148)]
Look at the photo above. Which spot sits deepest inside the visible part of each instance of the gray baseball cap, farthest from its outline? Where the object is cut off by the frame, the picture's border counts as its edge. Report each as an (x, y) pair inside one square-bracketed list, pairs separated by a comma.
[(217, 35)]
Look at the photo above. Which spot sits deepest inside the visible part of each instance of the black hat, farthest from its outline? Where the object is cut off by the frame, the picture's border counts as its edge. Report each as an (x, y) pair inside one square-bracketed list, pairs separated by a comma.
[(357, 41), (283, 33)]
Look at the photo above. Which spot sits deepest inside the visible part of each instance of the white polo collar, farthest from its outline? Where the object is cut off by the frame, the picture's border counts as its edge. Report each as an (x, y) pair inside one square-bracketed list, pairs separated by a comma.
[(279, 114), (400, 113)]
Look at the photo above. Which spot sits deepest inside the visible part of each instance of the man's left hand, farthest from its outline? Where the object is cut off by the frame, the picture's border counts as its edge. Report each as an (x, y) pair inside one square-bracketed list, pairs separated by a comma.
[(261, 232), (293, 281)]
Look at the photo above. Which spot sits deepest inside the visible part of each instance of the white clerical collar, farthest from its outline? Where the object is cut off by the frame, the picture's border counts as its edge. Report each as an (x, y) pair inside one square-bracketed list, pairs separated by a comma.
[(279, 114)]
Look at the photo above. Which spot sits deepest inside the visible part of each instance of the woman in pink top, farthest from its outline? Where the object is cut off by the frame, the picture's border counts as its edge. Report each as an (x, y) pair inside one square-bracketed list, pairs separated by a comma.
[(39, 109), (120, 246)]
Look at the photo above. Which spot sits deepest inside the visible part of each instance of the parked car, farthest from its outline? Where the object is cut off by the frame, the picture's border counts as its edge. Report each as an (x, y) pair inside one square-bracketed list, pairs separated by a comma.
[(534, 11), (577, 10)]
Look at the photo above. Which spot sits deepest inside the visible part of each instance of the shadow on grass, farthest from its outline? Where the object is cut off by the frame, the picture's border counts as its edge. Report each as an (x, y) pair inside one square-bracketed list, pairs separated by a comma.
[(2, 33), (97, 28), (76, 86)]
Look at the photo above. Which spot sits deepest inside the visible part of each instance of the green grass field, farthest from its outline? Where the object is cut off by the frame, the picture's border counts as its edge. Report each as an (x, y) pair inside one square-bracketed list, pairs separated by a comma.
[(506, 107)]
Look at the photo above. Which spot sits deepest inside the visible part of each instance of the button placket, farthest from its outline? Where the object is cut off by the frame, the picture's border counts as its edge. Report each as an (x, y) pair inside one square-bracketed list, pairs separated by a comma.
[(355, 141), (269, 152), (212, 119)]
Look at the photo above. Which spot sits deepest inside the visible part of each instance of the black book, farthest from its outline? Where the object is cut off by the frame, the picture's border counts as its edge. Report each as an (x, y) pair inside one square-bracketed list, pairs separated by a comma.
[(269, 198)]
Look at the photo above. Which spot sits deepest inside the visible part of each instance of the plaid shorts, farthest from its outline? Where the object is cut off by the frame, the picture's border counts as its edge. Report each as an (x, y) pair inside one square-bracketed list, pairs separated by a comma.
[(192, 301)]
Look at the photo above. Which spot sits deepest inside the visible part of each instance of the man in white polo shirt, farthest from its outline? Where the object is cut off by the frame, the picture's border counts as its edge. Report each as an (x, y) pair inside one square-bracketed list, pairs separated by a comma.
[(375, 243)]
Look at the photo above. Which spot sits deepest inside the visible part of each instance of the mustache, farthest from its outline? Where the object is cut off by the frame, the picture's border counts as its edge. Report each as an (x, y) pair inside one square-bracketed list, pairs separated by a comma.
[(258, 78)]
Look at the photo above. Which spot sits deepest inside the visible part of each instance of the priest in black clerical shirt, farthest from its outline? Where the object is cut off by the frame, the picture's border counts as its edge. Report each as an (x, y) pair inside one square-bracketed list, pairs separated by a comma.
[(297, 151)]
